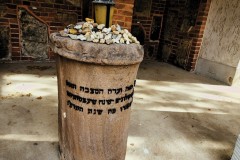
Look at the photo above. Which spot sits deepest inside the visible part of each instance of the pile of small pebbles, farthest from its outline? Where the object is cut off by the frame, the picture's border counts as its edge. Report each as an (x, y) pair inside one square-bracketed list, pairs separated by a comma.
[(98, 33)]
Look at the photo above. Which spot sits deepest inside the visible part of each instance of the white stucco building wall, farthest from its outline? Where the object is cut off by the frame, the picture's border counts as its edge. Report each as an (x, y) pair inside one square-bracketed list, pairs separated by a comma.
[(220, 52)]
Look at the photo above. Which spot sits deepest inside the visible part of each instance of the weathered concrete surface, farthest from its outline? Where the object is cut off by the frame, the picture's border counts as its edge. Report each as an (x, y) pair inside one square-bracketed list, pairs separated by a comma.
[(236, 80), (114, 54), (221, 41), (28, 116), (215, 70), (98, 127), (176, 114)]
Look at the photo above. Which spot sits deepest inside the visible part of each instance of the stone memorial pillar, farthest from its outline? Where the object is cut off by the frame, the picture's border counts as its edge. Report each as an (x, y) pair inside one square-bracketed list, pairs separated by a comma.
[(95, 91)]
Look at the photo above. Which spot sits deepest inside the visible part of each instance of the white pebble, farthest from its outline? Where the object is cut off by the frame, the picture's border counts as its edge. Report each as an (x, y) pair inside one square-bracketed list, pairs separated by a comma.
[(101, 26), (102, 41), (113, 34), (82, 37), (122, 40), (96, 40), (78, 27), (109, 36), (109, 41), (73, 36)]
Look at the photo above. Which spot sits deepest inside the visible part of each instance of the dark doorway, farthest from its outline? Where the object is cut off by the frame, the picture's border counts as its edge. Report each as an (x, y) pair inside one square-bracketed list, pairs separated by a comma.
[(4, 42), (138, 32), (176, 39), (86, 9)]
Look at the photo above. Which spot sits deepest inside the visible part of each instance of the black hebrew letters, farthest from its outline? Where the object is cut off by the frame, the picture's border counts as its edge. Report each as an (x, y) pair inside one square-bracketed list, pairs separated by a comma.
[(91, 90), (128, 88), (116, 91), (109, 101), (126, 97), (81, 99), (102, 102), (76, 107), (125, 107), (106, 102), (112, 111), (117, 96), (95, 111), (71, 85)]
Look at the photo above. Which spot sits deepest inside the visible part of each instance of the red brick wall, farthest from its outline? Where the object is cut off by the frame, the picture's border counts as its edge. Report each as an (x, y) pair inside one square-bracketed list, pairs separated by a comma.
[(157, 9), (161, 8), (53, 14), (197, 34), (56, 14), (123, 13), (194, 36)]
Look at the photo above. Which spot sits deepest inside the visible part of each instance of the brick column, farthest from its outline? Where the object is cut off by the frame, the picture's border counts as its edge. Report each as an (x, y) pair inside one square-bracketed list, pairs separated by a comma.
[(123, 13), (197, 35)]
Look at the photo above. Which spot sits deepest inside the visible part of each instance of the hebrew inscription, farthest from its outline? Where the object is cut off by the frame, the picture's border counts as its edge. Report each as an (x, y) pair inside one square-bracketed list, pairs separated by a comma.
[(81, 102)]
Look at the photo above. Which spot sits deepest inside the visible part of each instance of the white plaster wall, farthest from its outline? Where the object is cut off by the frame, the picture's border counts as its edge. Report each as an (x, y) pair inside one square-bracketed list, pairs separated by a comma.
[(236, 80), (221, 41)]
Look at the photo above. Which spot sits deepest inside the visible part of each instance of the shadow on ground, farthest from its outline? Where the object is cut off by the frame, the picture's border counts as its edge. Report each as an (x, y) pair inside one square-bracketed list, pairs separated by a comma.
[(159, 71), (28, 112)]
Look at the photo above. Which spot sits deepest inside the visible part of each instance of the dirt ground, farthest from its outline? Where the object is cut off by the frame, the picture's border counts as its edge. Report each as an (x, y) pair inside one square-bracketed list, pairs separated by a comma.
[(176, 115)]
